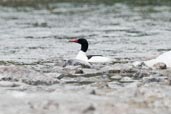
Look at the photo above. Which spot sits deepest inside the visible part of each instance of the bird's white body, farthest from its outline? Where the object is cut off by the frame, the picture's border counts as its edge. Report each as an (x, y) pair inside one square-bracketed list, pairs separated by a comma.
[(164, 58), (95, 59), (82, 56), (99, 59)]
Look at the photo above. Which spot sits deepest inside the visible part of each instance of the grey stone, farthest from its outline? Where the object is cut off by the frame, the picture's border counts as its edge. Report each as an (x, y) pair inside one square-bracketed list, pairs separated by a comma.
[(126, 80), (160, 65), (116, 77)]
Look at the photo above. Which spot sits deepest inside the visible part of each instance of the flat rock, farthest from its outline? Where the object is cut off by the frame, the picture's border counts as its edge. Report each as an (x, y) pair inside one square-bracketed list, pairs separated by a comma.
[(25, 75), (126, 80), (8, 84), (116, 77)]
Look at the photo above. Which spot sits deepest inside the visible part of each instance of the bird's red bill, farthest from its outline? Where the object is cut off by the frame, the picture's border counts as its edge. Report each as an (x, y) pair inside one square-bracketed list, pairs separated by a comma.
[(74, 40)]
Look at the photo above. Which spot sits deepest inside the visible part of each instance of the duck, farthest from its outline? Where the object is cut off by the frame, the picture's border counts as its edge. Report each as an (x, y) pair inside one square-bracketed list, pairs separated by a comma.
[(88, 58), (163, 58)]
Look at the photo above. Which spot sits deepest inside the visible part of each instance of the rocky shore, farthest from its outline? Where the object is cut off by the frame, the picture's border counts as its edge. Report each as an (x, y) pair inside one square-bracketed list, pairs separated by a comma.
[(112, 88)]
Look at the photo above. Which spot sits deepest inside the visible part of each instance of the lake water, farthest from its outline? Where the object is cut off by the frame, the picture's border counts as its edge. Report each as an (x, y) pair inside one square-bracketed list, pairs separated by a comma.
[(119, 31)]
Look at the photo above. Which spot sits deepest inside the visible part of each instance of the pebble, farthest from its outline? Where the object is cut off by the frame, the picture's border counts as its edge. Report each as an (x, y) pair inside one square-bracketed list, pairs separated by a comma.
[(154, 79), (160, 65), (116, 77), (79, 71), (126, 80), (93, 92), (8, 84), (89, 110)]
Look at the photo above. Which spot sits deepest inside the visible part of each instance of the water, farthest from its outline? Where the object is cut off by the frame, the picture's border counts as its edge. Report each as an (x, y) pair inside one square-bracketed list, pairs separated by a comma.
[(118, 31)]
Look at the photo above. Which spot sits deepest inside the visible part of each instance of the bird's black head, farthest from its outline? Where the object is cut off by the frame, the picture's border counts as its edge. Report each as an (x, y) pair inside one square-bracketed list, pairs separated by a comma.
[(83, 42)]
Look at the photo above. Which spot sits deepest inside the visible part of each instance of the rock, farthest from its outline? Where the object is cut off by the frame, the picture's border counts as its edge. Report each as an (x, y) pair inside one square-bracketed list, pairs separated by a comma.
[(44, 105), (160, 65), (141, 73), (111, 69), (79, 71), (126, 80), (89, 110), (169, 82), (8, 84), (116, 77), (154, 78), (25, 75), (93, 92), (138, 64)]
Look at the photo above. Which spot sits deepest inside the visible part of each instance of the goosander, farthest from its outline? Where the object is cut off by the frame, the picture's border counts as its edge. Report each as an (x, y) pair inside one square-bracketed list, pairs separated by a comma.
[(163, 58), (91, 58)]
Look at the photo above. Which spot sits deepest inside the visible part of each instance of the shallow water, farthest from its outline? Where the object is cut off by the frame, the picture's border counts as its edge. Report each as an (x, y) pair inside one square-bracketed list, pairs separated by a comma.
[(118, 31), (34, 44)]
